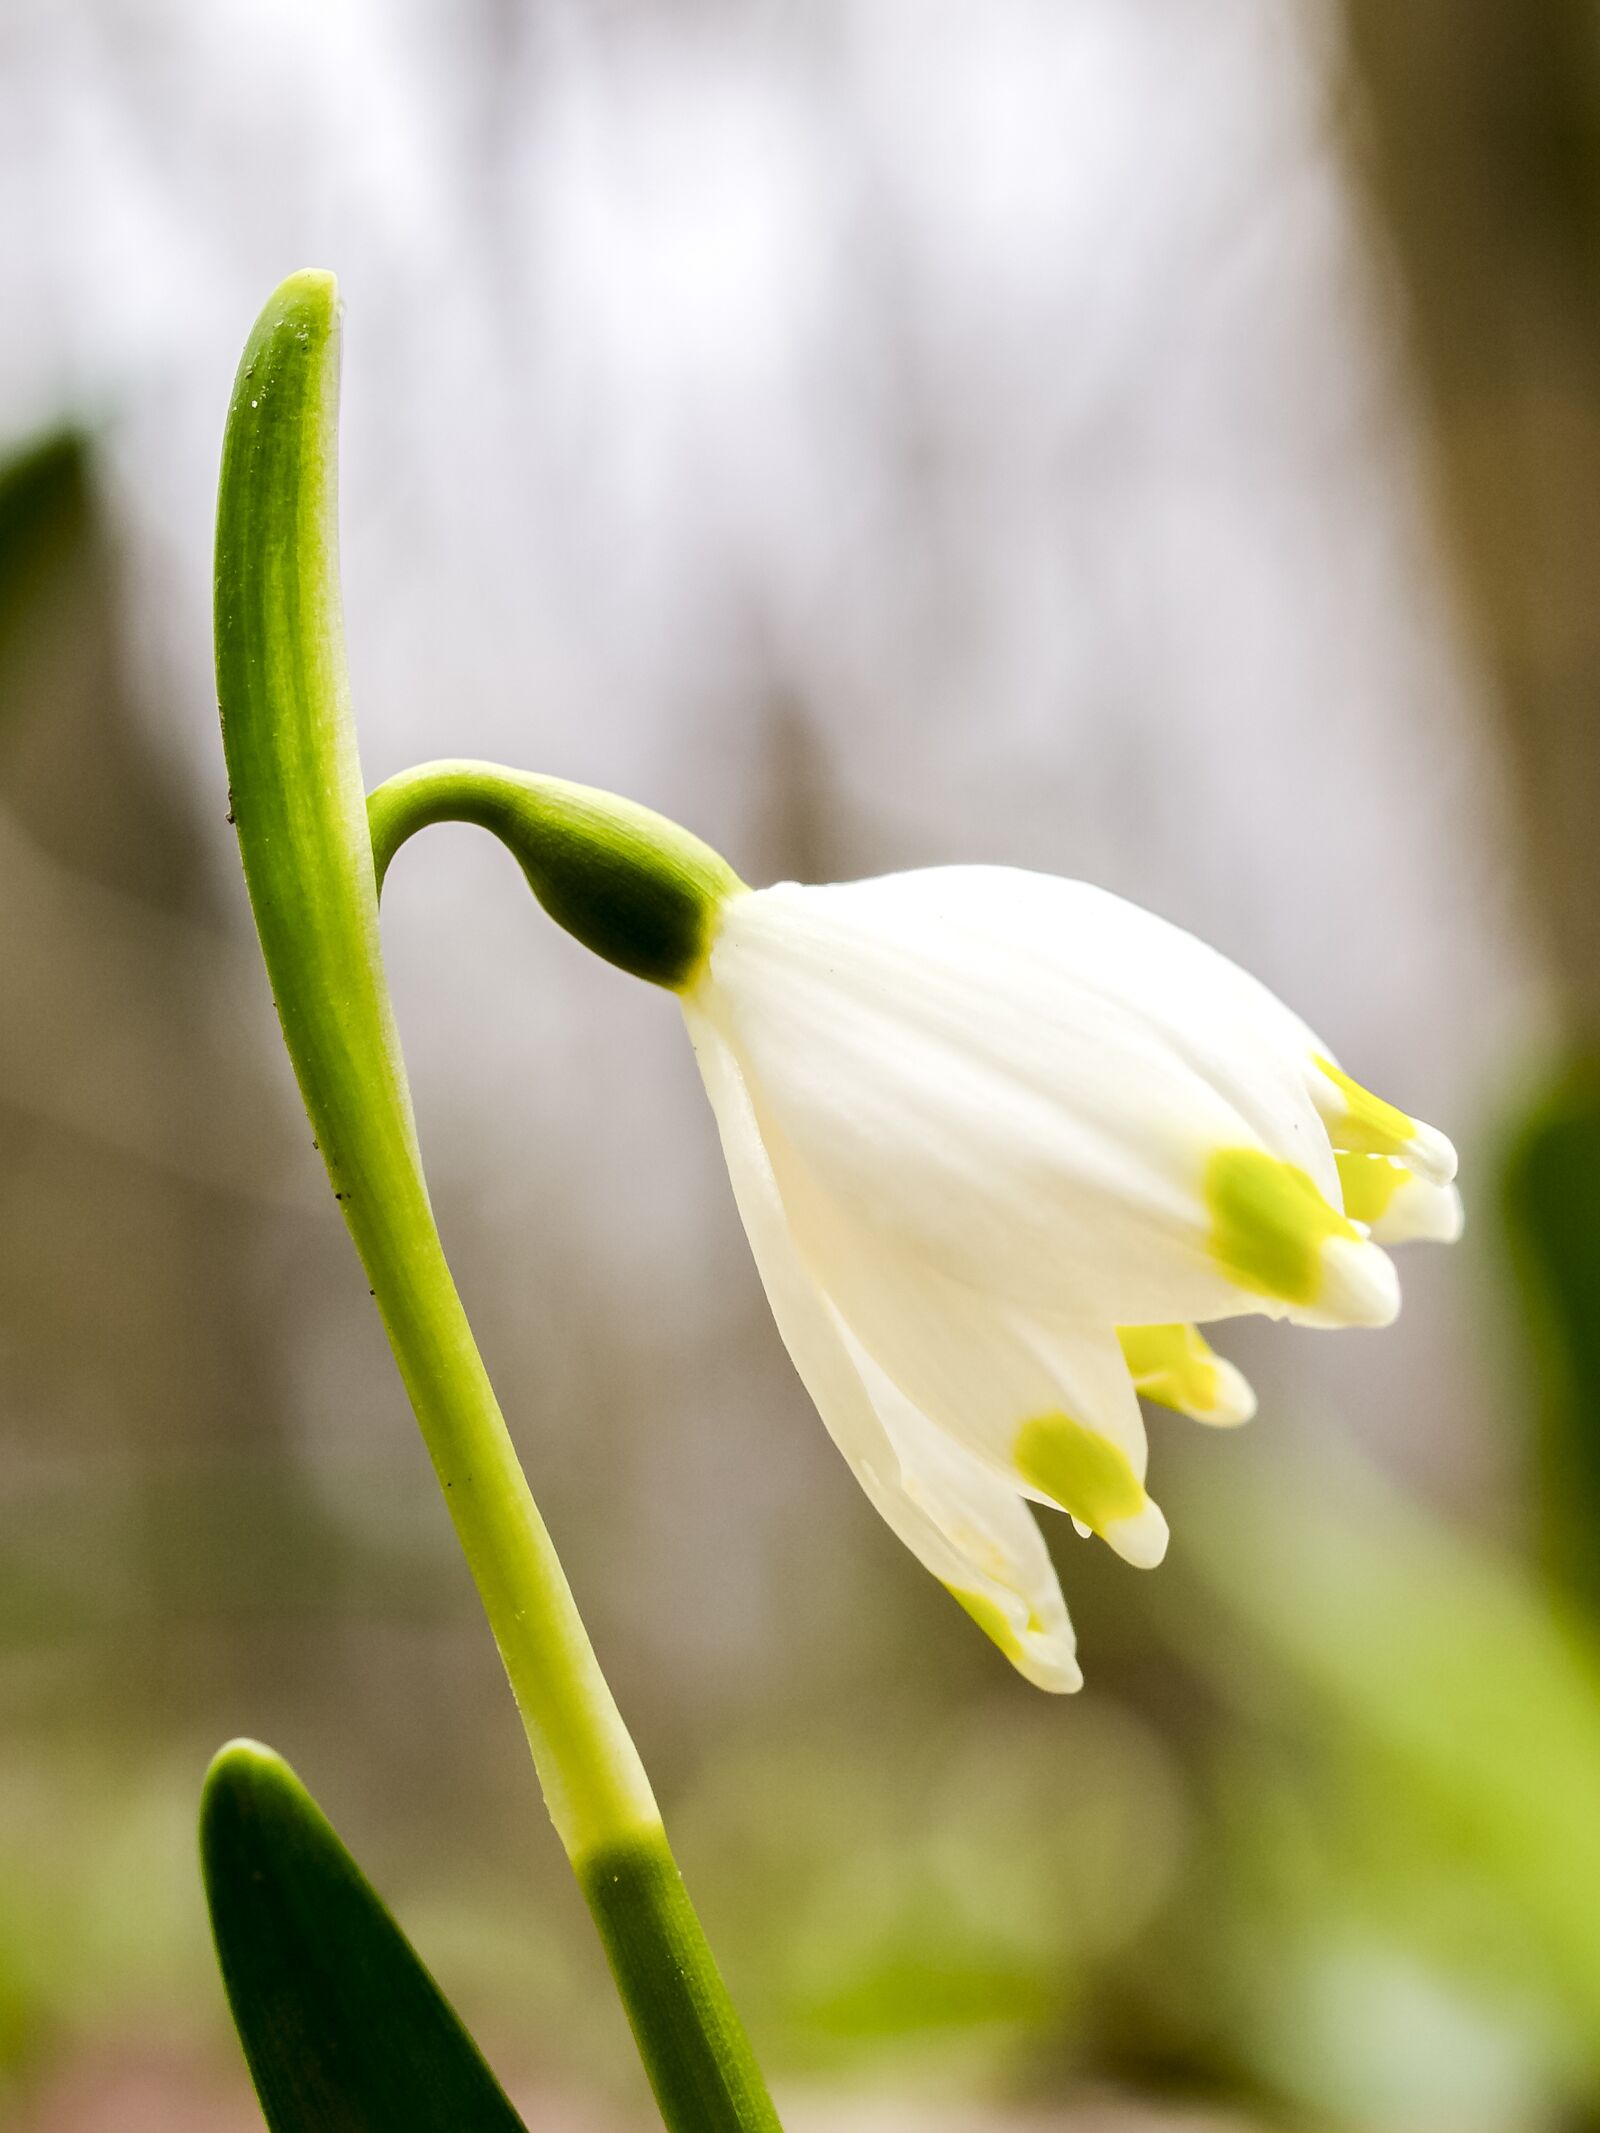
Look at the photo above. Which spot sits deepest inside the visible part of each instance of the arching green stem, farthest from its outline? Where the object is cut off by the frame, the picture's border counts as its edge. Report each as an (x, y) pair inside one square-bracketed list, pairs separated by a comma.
[(296, 791), (629, 884)]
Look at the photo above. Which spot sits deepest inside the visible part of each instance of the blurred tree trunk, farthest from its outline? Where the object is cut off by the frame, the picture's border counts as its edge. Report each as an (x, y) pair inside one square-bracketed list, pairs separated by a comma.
[(143, 1402), (1477, 128)]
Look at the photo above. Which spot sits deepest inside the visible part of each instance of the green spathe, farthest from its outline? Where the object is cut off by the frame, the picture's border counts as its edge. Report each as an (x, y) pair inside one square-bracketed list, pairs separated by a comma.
[(627, 883), (342, 2026)]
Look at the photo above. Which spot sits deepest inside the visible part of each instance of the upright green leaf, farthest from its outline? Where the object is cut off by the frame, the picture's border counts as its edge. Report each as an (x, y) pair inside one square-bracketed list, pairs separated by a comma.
[(1416, 1667), (343, 2028)]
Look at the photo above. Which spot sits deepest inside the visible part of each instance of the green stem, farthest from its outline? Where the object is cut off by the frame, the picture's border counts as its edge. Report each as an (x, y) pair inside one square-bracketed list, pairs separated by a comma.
[(297, 798), (628, 883)]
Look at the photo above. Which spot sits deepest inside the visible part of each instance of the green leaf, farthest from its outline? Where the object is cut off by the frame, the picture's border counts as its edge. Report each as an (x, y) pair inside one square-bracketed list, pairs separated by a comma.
[(44, 514), (1417, 1667), (343, 2028)]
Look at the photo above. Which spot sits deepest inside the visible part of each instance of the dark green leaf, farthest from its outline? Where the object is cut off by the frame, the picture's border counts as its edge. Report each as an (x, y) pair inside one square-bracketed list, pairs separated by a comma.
[(44, 514), (344, 2029)]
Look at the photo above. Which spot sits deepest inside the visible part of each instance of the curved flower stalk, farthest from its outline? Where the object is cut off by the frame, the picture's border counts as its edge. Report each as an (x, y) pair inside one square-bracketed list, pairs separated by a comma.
[(1000, 1143)]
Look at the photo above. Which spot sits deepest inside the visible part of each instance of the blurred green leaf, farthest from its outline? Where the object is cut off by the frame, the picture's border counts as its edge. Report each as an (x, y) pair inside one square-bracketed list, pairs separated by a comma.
[(44, 497), (1427, 1722), (1440, 1656), (343, 2028), (1552, 1213)]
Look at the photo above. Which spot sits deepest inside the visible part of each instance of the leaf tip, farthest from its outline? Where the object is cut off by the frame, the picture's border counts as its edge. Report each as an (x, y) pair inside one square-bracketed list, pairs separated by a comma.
[(240, 1761), (309, 291), (245, 1779)]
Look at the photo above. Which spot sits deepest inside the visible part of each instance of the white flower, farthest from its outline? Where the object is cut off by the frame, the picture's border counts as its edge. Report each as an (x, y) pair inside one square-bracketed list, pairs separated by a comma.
[(999, 1141)]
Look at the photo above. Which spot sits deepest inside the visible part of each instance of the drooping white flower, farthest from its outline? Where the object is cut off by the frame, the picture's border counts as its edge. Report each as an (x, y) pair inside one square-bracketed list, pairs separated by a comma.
[(999, 1141)]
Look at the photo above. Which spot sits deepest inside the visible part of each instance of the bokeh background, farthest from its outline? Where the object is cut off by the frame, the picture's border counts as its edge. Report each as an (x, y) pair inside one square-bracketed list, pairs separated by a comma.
[(1157, 440)]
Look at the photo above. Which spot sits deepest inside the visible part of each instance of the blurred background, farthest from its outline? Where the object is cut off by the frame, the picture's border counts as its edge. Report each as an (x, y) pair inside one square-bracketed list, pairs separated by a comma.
[(1155, 440)]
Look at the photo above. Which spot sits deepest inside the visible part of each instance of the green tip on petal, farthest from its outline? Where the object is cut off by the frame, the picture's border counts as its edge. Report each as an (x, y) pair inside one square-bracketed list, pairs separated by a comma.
[(1369, 1184), (1368, 1126), (1274, 1234), (992, 1619), (1176, 1367), (1047, 1661), (1090, 1477), (1360, 1123)]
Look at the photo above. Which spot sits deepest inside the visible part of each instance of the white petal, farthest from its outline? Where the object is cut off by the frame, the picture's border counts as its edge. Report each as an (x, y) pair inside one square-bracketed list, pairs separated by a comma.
[(1396, 1205), (1045, 1403), (1004, 1558), (1431, 1154), (1360, 1123), (1360, 1287), (1234, 1401), (1421, 1212), (979, 1063), (975, 1534), (1044, 939)]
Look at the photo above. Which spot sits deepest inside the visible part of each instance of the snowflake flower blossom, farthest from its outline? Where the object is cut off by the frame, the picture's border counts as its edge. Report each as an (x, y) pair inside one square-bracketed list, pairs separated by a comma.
[(1000, 1143)]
